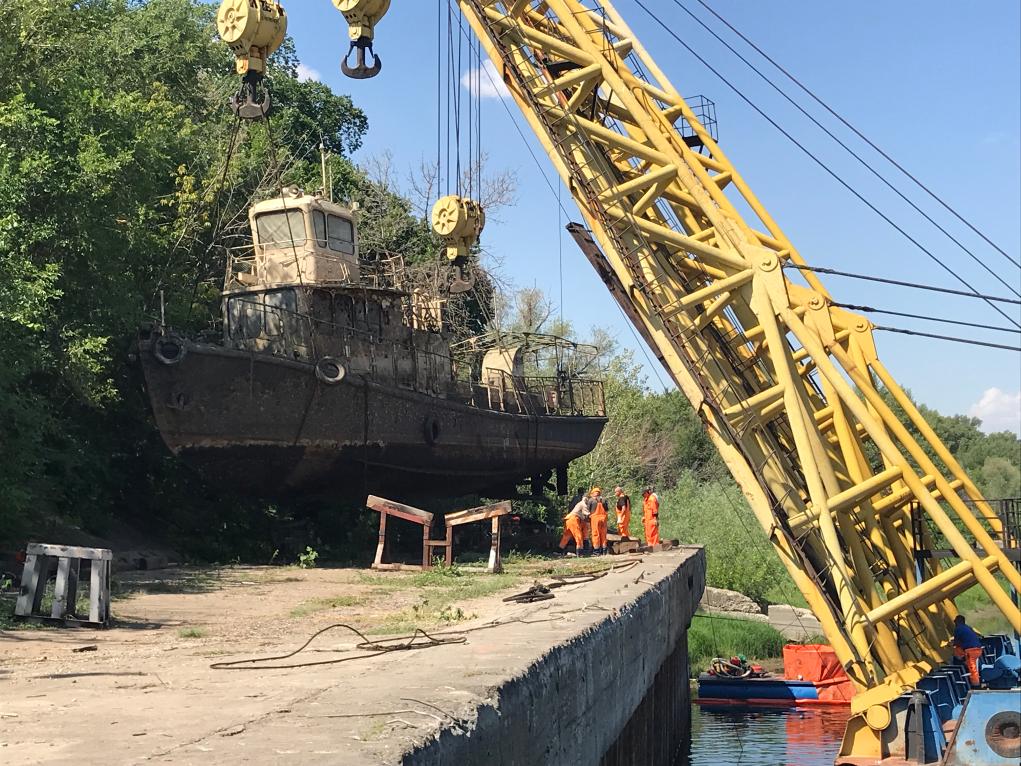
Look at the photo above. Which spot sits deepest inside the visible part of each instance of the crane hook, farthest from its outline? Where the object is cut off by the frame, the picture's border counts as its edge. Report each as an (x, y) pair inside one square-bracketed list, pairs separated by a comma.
[(360, 71), (246, 104)]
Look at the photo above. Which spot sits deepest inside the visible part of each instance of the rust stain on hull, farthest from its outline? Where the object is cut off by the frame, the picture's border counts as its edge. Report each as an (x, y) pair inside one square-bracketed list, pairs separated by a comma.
[(268, 425)]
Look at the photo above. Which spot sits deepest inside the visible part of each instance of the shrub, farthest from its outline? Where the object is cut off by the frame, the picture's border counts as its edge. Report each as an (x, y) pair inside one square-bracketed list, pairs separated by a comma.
[(710, 637)]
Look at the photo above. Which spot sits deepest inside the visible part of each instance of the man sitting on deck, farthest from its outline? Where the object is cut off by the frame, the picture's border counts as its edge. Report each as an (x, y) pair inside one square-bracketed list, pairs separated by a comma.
[(968, 647)]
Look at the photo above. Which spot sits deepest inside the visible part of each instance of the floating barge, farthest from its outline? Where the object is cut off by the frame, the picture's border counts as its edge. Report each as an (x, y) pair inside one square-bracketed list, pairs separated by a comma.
[(812, 676)]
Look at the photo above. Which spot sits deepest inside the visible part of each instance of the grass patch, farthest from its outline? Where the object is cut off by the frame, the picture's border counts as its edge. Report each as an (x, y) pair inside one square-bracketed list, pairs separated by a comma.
[(710, 637), (702, 510), (7, 621), (440, 593), (192, 633), (305, 608)]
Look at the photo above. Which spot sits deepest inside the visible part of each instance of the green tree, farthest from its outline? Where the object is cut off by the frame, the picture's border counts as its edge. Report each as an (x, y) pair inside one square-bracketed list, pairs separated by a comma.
[(114, 187)]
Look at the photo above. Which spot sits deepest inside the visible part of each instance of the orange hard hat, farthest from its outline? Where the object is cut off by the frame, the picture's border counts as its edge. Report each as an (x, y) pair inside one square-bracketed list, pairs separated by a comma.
[(596, 491)]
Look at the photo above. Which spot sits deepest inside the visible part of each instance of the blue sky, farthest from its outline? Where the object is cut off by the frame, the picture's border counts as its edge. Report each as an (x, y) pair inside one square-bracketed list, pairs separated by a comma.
[(934, 83)]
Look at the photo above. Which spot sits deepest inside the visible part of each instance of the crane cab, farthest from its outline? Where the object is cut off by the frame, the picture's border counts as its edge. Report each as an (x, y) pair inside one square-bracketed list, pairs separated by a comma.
[(302, 239)]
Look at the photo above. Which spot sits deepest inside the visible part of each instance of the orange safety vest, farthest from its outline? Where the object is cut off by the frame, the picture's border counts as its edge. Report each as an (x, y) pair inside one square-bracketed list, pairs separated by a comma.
[(650, 506)]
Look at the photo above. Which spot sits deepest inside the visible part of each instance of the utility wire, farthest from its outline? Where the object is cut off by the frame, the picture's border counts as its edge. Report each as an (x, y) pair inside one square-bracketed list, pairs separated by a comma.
[(899, 283), (968, 341), (858, 133), (870, 310), (521, 133), (849, 150), (556, 193), (815, 159)]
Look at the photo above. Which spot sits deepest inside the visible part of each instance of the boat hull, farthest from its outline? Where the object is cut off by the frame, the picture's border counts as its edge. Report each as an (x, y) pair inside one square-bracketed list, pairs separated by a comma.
[(266, 425)]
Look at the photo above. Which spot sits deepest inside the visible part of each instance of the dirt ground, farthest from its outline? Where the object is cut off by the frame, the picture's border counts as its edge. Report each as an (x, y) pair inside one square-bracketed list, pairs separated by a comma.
[(143, 690)]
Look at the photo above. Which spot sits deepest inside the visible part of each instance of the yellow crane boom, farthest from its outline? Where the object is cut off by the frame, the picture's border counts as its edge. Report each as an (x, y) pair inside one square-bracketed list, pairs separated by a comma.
[(788, 386)]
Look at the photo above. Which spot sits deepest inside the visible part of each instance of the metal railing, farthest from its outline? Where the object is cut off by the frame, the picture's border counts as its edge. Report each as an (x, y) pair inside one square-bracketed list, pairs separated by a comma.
[(536, 395)]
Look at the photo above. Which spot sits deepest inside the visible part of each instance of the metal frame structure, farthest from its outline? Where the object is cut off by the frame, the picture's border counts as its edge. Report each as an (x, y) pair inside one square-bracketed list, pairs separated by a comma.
[(789, 387)]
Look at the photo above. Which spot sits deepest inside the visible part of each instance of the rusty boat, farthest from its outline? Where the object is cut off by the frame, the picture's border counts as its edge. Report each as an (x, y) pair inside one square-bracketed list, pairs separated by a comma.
[(330, 376)]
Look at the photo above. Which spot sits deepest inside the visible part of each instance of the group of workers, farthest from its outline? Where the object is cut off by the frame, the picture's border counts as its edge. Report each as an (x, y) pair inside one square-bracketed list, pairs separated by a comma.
[(586, 521)]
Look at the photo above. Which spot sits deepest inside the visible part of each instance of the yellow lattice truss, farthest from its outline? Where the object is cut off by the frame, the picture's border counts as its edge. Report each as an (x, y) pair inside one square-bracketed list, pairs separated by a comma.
[(789, 387)]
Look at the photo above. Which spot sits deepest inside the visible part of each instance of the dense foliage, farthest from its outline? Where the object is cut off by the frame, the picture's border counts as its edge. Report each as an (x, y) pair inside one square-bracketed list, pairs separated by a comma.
[(113, 138)]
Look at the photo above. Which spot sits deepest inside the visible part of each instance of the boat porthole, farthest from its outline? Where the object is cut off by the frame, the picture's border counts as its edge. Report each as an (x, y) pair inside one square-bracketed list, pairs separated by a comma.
[(330, 371), (432, 430), (169, 350)]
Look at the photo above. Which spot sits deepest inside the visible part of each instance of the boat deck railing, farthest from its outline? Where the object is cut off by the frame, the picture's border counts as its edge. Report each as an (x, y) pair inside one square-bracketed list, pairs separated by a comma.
[(385, 273), (536, 395)]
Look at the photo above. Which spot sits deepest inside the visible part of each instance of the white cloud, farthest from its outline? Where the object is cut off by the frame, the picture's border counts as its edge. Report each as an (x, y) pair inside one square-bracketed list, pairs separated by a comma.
[(308, 73), (998, 411), (488, 83)]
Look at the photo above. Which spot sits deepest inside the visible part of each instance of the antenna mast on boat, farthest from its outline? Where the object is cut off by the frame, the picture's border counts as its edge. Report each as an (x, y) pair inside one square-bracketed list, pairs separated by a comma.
[(327, 181)]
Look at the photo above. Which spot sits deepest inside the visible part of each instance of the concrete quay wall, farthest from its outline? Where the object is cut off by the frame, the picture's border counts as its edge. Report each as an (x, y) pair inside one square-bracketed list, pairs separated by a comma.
[(614, 693)]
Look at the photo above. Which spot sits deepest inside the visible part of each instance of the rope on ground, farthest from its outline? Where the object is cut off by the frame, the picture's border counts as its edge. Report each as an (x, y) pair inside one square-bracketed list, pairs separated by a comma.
[(418, 640), (544, 591)]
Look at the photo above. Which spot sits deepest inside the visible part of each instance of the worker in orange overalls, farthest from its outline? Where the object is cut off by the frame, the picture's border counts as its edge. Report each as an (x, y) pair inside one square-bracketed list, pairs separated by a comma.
[(968, 647), (597, 507), (574, 526), (623, 512), (650, 516)]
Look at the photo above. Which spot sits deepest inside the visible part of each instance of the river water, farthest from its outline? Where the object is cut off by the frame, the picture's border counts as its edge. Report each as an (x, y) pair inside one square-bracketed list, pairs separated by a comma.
[(764, 736)]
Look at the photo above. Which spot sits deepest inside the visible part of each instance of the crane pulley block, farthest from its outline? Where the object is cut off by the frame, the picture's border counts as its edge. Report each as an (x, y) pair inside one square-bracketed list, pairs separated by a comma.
[(253, 30), (362, 17), (458, 222)]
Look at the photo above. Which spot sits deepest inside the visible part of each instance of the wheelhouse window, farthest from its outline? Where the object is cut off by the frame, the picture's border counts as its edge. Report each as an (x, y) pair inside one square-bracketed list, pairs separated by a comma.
[(333, 232), (260, 314), (341, 234), (281, 228)]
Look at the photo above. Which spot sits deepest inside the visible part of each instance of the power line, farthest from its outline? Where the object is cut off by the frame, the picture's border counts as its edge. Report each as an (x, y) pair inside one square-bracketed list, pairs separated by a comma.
[(815, 159), (521, 133), (968, 341), (899, 283), (556, 193), (860, 135), (849, 150), (961, 323)]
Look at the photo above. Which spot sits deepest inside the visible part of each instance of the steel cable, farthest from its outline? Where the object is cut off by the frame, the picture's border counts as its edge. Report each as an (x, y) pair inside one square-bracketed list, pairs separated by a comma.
[(860, 135), (858, 195), (849, 150)]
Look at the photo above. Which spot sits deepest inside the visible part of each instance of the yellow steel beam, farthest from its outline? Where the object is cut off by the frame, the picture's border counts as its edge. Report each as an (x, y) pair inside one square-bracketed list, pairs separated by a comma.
[(764, 362)]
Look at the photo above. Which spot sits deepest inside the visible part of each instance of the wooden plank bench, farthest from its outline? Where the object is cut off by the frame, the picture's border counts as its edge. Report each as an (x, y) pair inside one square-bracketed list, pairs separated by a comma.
[(39, 560), (495, 513), (386, 508)]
